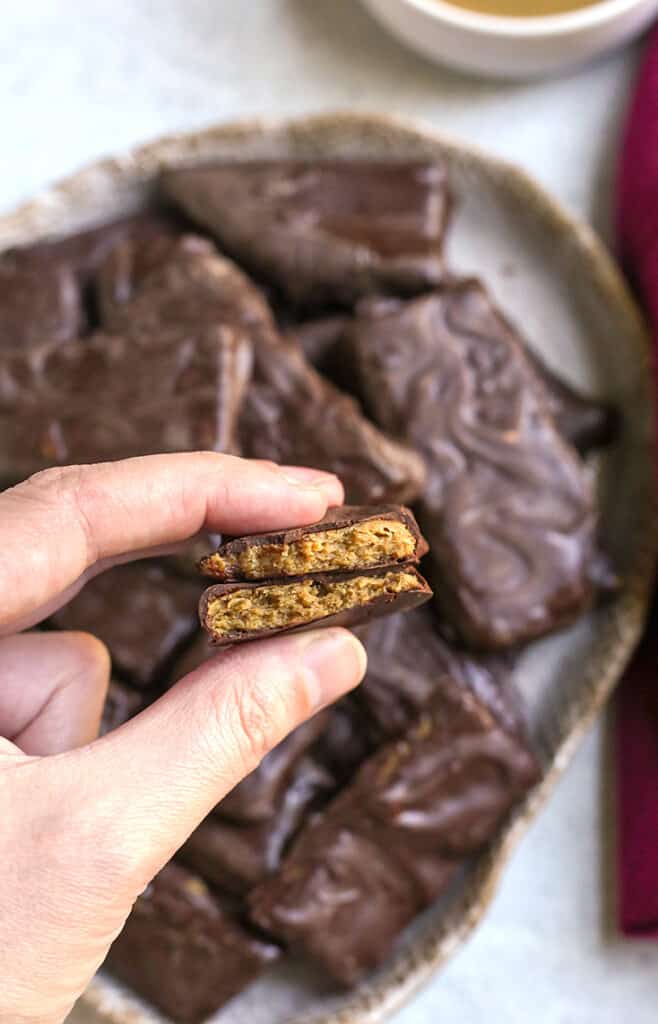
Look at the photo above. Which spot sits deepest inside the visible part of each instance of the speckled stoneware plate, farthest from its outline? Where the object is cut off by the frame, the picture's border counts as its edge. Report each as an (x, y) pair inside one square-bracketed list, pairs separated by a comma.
[(556, 280)]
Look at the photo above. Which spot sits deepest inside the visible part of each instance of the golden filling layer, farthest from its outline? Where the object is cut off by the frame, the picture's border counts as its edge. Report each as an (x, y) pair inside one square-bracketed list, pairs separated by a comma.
[(291, 604), (352, 547)]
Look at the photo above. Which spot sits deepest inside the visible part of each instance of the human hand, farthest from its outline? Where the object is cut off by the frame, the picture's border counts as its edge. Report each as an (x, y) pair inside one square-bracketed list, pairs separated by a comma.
[(85, 825)]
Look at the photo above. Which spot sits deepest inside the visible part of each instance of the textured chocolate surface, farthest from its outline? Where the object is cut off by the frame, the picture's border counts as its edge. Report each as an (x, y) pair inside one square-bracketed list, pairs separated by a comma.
[(107, 398), (382, 604), (142, 613), (183, 950), (238, 856), (507, 510), (37, 303), (336, 519), (121, 703), (409, 661), (391, 841), (292, 415), (323, 232), (179, 284), (585, 422)]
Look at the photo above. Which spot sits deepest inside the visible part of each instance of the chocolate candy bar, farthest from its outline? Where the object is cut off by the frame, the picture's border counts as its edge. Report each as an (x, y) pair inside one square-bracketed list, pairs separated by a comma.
[(37, 303), (292, 415), (391, 841), (121, 703), (507, 510), (323, 232), (408, 661), (348, 537), (108, 398), (144, 627), (184, 950), (235, 612), (237, 856)]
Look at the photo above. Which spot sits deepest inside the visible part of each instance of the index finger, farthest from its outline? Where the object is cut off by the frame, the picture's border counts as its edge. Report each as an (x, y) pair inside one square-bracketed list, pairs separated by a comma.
[(64, 523)]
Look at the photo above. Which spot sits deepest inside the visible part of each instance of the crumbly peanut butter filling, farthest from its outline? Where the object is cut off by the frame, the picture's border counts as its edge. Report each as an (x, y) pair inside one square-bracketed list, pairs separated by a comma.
[(276, 605), (351, 547)]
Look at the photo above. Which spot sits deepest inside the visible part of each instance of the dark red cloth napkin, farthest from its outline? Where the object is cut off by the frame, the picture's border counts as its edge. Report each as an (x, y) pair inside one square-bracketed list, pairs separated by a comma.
[(636, 724)]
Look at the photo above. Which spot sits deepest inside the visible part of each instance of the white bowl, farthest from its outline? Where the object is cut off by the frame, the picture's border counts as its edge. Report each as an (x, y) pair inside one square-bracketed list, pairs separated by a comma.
[(508, 47)]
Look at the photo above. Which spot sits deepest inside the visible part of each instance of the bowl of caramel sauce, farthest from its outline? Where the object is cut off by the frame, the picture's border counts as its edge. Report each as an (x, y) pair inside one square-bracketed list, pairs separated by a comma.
[(513, 38)]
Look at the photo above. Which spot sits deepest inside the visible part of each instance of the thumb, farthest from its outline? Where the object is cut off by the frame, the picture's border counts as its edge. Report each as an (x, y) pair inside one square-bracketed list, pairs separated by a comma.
[(149, 784)]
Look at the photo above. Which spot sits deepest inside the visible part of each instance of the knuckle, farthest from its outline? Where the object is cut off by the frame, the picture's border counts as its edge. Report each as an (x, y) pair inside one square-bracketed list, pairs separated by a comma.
[(256, 726)]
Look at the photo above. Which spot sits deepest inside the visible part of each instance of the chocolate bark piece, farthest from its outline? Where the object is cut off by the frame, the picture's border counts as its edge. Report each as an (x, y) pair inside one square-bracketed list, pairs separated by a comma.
[(108, 398), (409, 660), (142, 613), (324, 232), (392, 840), (507, 510), (347, 537), (184, 950), (121, 703), (237, 856), (235, 612), (181, 284), (37, 303), (292, 415)]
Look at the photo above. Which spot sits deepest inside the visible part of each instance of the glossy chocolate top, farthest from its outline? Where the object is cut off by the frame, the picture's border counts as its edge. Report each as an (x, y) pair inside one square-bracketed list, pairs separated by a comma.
[(184, 950), (507, 509), (323, 232)]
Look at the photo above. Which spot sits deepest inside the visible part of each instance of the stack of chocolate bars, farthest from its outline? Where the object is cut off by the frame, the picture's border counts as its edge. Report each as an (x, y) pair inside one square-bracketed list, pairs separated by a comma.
[(303, 313)]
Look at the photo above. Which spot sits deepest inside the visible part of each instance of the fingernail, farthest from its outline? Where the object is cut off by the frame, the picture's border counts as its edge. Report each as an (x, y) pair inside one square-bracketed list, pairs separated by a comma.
[(305, 476), (334, 662)]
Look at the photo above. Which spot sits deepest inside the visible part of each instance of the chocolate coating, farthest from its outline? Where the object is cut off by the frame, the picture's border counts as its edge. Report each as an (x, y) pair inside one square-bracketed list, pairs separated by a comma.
[(108, 398), (409, 661), (383, 604), (337, 518), (507, 510), (179, 284), (391, 841), (323, 232), (292, 415), (584, 422), (237, 856), (142, 613), (37, 303), (184, 951)]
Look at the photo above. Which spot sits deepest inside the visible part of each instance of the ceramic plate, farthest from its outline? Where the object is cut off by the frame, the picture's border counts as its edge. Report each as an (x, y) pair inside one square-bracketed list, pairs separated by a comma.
[(552, 276)]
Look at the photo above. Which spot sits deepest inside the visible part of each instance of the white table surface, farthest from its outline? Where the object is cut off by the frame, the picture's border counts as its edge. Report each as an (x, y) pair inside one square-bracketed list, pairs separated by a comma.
[(79, 80)]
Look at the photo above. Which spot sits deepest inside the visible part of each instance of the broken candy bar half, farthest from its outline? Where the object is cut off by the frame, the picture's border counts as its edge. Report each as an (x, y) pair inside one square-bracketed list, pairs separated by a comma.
[(348, 537), (233, 612)]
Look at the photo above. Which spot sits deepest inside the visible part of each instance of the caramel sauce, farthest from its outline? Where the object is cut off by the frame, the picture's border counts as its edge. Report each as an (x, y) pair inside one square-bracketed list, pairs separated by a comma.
[(522, 8)]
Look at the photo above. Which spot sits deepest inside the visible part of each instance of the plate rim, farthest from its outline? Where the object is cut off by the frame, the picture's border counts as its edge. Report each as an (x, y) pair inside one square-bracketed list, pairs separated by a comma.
[(377, 999)]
